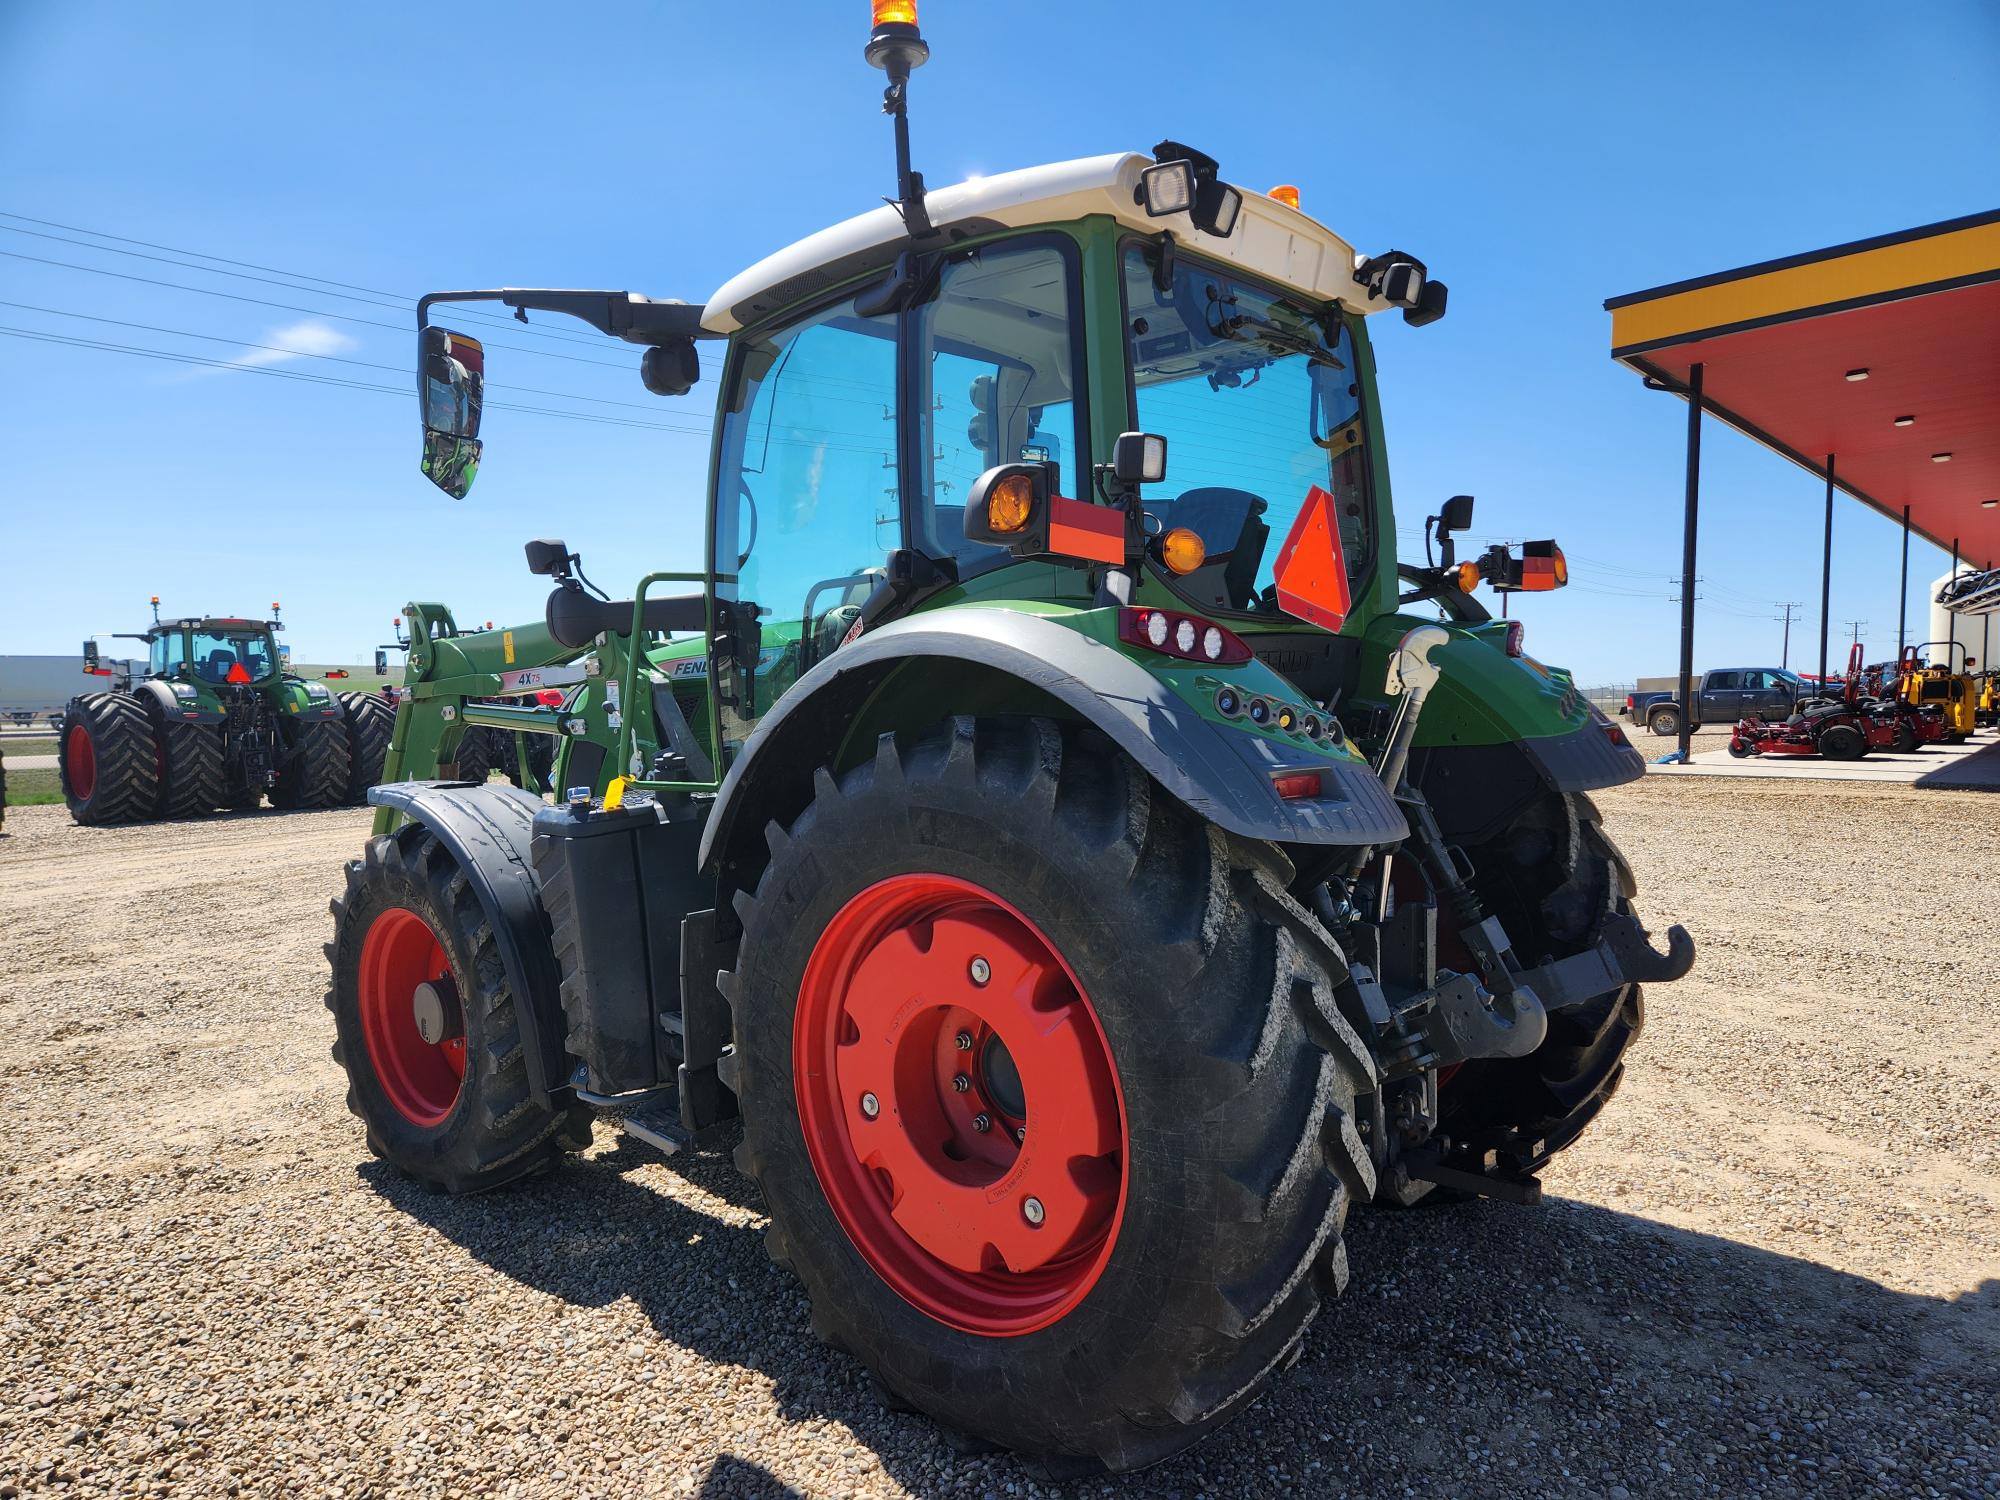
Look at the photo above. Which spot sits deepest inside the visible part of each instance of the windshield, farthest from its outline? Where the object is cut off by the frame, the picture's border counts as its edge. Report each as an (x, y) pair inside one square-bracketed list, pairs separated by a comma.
[(219, 653), (1259, 399)]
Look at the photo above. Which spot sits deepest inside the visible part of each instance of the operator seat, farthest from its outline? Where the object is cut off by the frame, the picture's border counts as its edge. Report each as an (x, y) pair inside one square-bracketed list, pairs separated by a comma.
[(216, 668), (1230, 523)]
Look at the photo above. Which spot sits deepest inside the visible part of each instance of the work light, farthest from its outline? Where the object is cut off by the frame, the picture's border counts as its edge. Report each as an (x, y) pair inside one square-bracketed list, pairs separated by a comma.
[(1167, 187)]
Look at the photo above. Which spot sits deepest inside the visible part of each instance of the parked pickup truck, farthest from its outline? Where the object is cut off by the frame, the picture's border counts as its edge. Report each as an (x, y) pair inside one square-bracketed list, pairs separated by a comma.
[(1725, 695)]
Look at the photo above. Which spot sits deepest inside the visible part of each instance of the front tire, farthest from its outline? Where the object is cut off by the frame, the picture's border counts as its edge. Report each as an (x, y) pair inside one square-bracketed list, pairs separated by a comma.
[(453, 1110), (108, 759), (1203, 1116)]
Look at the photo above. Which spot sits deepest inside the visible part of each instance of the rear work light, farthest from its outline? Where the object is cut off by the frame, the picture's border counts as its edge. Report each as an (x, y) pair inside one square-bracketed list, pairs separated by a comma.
[(1189, 637)]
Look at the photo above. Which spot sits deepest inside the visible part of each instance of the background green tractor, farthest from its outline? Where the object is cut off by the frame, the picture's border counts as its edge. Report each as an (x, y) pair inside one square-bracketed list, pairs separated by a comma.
[(1054, 821), (213, 721)]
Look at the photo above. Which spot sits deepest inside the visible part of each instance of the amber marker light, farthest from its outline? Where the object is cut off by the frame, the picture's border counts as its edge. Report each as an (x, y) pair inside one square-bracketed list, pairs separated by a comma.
[(1182, 550), (1286, 194), (1468, 576), (894, 12), (1010, 502)]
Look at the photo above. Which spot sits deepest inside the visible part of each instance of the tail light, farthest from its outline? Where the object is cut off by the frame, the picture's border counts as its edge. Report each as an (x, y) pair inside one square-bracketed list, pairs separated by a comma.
[(1515, 632), (1292, 786), (1189, 637)]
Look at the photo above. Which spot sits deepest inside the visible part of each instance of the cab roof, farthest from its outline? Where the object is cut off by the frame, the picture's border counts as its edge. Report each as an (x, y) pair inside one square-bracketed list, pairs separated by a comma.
[(1275, 242)]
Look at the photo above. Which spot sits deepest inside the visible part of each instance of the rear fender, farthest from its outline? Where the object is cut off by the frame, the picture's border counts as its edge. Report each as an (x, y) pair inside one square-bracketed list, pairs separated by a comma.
[(1223, 775), (187, 707), (489, 830)]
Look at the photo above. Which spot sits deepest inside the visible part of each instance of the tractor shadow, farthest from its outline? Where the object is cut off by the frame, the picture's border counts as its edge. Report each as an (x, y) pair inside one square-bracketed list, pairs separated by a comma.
[(1481, 1349)]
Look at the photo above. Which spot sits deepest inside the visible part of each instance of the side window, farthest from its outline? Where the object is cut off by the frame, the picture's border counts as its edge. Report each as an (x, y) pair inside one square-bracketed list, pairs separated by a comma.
[(156, 656), (167, 652), (1723, 679), (808, 482), (1755, 681), (998, 373)]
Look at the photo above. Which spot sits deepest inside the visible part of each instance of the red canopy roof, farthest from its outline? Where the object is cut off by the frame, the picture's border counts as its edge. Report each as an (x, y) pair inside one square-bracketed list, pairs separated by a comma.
[(1779, 343)]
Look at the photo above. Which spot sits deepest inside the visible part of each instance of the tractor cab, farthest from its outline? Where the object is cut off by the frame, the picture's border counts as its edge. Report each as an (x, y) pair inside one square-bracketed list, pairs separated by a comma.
[(217, 652)]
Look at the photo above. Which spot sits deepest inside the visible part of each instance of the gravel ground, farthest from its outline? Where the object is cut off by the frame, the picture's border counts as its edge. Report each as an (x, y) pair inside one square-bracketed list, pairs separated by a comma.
[(1773, 1268)]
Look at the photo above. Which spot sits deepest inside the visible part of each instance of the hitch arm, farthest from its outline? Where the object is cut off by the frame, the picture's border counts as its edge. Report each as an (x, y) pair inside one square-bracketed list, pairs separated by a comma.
[(1622, 956)]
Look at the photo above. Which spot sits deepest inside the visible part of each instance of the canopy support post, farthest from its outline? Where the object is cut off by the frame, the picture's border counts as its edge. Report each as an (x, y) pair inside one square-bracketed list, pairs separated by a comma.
[(1903, 599), (1826, 574), (1688, 526), (1951, 616)]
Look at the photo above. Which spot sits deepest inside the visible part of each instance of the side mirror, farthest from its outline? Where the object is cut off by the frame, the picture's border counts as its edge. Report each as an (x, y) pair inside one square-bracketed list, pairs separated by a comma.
[(90, 657), (452, 390), (381, 662), (1456, 514)]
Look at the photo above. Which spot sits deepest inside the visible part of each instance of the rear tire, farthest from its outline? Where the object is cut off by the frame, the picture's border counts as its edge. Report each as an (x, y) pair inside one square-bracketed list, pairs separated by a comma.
[(1551, 877), (465, 1122), (1842, 742), (1906, 738), (316, 777), (108, 759), (1664, 722), (191, 760), (371, 723), (1213, 998), (478, 753)]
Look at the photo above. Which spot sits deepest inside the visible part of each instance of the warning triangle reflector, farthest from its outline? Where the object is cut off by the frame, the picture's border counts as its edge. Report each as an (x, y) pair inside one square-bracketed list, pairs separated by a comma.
[(1311, 574)]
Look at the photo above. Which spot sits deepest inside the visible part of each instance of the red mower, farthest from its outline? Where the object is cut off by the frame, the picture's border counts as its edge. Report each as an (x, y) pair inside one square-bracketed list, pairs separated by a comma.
[(1843, 728)]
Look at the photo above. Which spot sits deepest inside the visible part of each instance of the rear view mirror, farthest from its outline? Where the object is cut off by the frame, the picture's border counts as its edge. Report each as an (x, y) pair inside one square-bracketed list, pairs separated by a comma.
[(452, 390), (381, 662), (1457, 514), (89, 654)]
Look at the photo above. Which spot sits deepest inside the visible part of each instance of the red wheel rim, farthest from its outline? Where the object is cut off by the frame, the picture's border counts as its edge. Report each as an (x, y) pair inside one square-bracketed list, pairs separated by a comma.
[(80, 756), (997, 1231), (421, 1079)]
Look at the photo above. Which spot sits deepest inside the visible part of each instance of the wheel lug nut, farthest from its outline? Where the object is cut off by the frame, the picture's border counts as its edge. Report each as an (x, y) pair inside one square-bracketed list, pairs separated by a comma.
[(981, 971), (960, 1083), (964, 1040), (1031, 1210), (982, 1123), (870, 1106)]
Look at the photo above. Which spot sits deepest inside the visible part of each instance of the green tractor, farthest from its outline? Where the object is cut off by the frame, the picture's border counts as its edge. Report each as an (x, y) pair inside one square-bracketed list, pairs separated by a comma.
[(1056, 825), (213, 721)]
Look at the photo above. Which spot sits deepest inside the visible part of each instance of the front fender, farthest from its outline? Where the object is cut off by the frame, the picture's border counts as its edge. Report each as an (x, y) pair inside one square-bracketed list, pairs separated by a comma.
[(489, 830), (1222, 774)]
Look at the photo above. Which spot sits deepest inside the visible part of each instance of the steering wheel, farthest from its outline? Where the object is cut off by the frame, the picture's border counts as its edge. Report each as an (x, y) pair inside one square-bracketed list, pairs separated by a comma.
[(743, 493)]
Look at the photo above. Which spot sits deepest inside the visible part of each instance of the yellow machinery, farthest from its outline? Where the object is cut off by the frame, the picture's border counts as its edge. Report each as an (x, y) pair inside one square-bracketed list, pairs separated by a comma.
[(1955, 695)]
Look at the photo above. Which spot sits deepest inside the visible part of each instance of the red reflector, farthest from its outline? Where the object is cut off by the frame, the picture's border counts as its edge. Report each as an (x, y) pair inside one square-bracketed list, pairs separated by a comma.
[(1296, 784), (238, 673), (1311, 571)]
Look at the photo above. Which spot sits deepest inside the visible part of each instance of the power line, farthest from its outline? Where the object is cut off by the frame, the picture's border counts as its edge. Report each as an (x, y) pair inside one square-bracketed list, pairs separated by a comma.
[(216, 338), (318, 312), (325, 286), (313, 379)]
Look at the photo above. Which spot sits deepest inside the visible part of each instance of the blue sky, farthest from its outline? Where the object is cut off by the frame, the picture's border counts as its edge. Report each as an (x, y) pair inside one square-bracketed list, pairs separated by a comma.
[(1540, 158)]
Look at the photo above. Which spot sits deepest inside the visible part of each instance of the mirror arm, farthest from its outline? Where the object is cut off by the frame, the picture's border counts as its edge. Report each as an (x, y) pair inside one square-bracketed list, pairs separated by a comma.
[(621, 315)]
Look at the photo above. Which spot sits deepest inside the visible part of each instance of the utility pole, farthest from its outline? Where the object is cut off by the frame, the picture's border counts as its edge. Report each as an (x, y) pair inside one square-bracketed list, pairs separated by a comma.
[(1785, 655), (1855, 627)]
